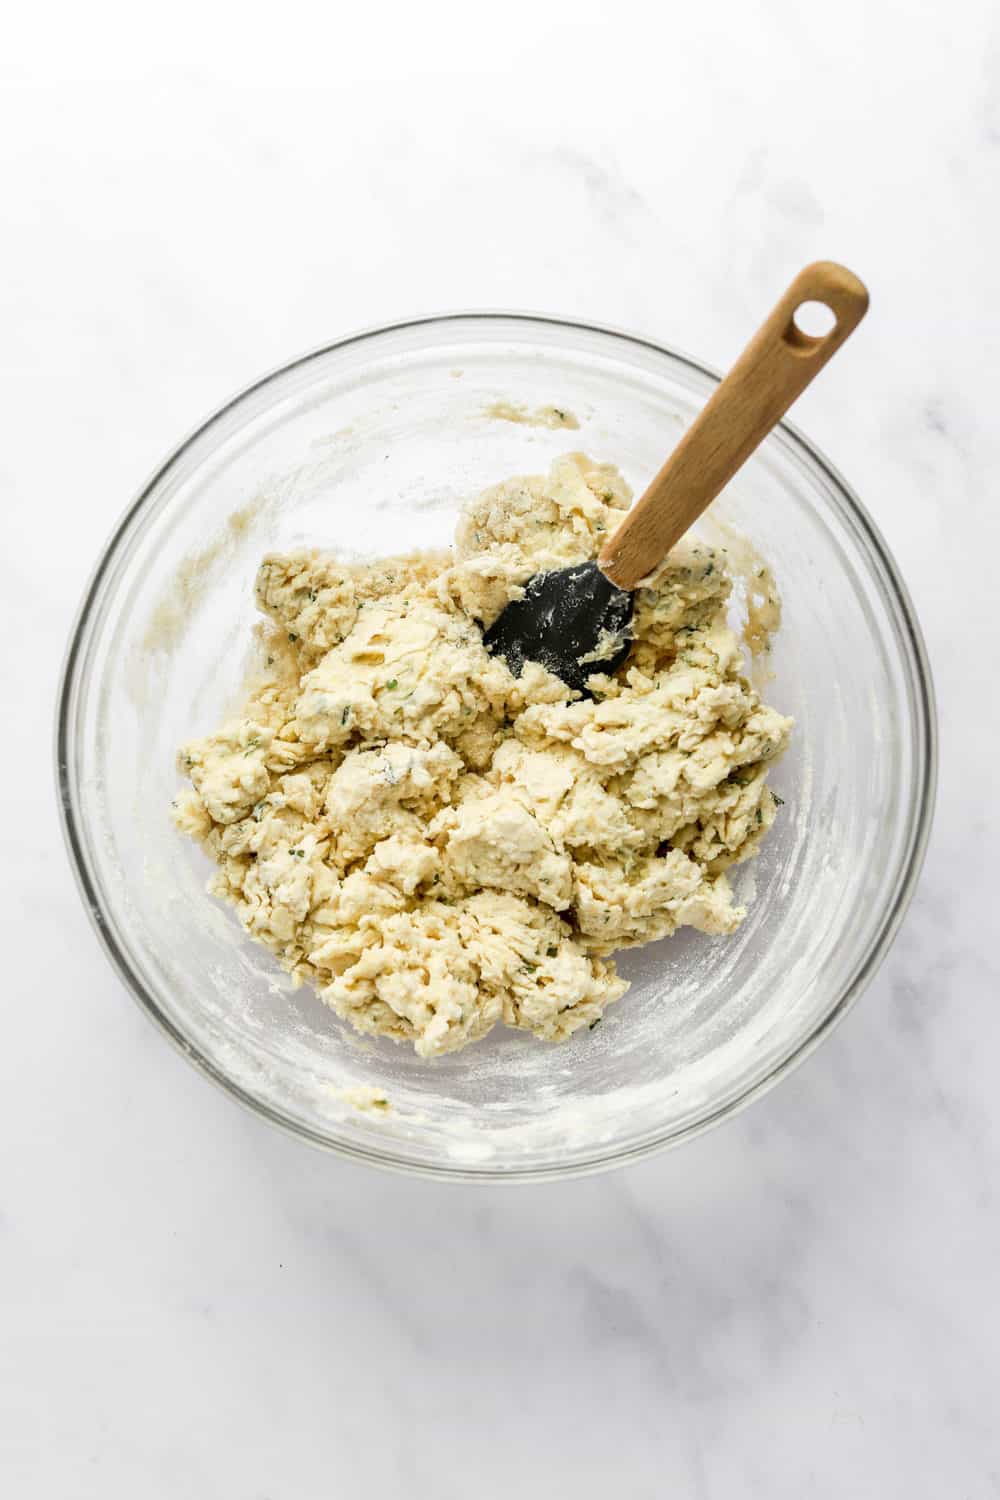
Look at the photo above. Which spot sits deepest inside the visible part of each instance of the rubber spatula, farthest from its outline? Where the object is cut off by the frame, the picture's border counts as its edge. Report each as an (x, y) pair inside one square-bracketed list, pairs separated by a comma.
[(575, 621)]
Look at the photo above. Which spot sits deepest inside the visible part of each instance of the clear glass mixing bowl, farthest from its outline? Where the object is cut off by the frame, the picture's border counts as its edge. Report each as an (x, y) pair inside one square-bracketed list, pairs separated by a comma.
[(370, 446)]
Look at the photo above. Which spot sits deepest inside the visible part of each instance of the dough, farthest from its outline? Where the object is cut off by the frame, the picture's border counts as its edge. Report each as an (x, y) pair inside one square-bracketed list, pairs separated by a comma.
[(437, 845)]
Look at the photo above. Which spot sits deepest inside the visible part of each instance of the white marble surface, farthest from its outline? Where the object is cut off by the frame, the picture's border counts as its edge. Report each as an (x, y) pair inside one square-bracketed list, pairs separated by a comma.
[(802, 1303)]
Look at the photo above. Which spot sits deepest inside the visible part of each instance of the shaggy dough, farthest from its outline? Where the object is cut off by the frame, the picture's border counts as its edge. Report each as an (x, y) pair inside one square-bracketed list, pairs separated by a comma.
[(437, 845)]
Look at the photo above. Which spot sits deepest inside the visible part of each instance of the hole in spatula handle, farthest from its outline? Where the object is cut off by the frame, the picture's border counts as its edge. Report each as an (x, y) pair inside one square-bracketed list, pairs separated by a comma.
[(810, 323)]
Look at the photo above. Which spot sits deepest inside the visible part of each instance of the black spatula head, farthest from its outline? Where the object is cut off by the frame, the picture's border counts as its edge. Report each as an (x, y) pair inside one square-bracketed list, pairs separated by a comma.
[(574, 621)]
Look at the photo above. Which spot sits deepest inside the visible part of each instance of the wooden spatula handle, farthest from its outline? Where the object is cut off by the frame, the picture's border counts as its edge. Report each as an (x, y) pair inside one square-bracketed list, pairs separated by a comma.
[(774, 368)]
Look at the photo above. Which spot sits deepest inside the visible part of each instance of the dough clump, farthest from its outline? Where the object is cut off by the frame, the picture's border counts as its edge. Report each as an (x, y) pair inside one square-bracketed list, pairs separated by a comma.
[(437, 845)]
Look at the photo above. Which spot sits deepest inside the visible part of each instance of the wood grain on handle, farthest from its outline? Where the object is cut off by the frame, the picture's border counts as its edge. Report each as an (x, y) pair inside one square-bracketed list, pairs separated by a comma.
[(774, 368)]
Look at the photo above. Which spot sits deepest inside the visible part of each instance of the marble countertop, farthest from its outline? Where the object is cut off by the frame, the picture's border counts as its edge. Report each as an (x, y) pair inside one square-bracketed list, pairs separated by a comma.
[(802, 1303)]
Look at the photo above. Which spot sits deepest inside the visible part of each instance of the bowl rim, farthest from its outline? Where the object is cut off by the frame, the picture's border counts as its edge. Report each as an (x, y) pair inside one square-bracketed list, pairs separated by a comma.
[(926, 746)]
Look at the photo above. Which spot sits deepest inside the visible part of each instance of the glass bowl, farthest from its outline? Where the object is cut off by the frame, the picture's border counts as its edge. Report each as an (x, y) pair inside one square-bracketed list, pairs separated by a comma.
[(370, 446)]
